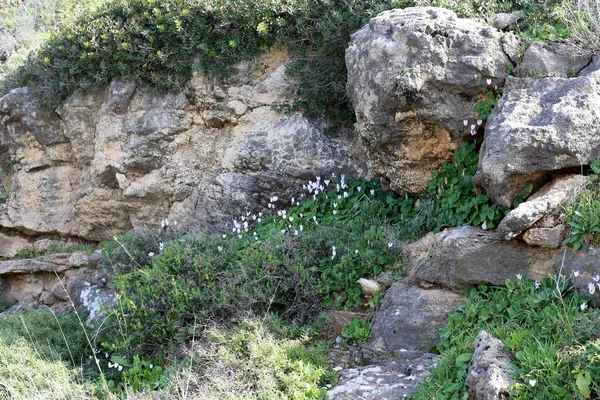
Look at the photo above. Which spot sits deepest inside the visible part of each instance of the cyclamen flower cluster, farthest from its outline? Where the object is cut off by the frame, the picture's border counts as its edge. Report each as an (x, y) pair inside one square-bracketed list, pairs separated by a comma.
[(295, 223)]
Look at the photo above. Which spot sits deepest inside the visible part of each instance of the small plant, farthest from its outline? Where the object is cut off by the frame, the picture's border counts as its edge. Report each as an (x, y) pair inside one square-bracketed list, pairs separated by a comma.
[(485, 106), (583, 218), (356, 332)]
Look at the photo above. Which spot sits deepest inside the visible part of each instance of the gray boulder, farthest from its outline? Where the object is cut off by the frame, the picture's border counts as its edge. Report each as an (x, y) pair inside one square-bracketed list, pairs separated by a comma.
[(539, 127), (408, 320), (547, 200), (465, 257), (414, 75), (545, 237), (543, 59), (489, 371)]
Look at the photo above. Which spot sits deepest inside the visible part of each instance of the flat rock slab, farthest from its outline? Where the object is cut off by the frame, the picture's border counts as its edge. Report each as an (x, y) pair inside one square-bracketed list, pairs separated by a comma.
[(394, 380), (408, 320)]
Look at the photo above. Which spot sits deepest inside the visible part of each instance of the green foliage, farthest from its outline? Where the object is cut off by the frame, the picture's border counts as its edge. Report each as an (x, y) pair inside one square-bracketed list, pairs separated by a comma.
[(542, 323), (357, 331), (124, 375), (251, 361), (52, 337), (451, 199), (294, 265), (485, 106), (159, 42), (583, 218), (582, 17)]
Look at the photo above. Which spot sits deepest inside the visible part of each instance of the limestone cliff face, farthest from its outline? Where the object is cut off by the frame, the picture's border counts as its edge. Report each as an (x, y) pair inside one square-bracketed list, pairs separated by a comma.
[(128, 156)]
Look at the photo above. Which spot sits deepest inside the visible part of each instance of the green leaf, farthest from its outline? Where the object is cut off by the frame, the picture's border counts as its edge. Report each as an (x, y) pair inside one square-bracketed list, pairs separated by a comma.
[(583, 382), (463, 359)]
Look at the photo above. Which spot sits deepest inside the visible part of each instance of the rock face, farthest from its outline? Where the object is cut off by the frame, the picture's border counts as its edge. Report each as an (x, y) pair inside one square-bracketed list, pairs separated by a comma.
[(408, 320), (539, 127), (51, 280), (461, 258), (414, 75), (548, 200), (489, 371), (128, 157)]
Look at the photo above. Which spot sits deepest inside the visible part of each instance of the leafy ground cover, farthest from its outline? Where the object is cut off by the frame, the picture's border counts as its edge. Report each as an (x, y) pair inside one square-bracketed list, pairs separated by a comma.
[(549, 329)]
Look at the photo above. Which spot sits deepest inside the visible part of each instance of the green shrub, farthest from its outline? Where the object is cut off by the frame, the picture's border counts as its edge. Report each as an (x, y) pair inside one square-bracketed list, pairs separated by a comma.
[(543, 323), (159, 42), (293, 265)]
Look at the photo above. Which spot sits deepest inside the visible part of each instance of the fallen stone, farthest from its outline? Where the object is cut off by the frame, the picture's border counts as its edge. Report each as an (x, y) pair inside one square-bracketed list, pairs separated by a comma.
[(369, 287), (465, 257), (489, 376), (544, 59), (539, 127), (408, 320), (547, 200), (545, 237), (414, 75)]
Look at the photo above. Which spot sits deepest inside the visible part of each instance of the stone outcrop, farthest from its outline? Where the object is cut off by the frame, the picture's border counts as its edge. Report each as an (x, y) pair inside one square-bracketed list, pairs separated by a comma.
[(489, 375), (465, 257), (538, 128), (543, 59), (57, 281), (414, 76), (128, 156), (408, 320), (548, 200)]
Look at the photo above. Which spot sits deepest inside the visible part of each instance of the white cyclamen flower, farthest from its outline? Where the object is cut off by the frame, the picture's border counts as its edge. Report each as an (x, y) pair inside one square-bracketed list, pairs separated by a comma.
[(591, 288), (220, 248), (489, 81), (575, 274), (519, 277), (151, 254), (583, 306), (532, 382)]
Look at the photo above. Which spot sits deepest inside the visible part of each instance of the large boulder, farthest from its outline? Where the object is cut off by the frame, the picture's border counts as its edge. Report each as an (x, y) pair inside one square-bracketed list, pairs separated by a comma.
[(414, 76), (465, 257), (538, 128), (127, 156)]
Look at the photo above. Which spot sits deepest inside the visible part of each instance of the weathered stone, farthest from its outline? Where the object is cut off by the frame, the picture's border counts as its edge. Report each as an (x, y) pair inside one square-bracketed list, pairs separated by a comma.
[(369, 287), (408, 320), (128, 156), (593, 67), (544, 59), (547, 200), (504, 20), (393, 380), (489, 370), (538, 127), (461, 258), (414, 75), (583, 268), (545, 237), (10, 246)]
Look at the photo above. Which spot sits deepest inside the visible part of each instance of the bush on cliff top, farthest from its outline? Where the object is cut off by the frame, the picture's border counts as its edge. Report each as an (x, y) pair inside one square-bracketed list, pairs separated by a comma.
[(160, 42)]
